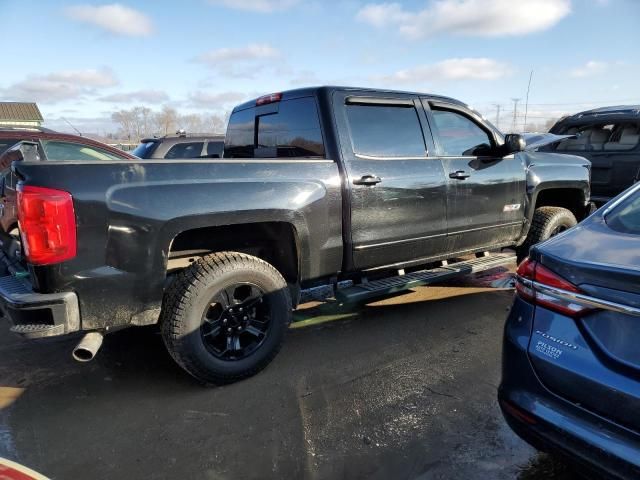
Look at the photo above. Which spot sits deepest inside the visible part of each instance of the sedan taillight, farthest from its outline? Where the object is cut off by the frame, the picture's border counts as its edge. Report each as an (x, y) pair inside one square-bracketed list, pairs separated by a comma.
[(47, 224), (537, 284)]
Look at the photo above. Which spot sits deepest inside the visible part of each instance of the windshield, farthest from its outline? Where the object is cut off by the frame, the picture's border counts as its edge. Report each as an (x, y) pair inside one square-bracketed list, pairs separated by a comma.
[(145, 149), (626, 216)]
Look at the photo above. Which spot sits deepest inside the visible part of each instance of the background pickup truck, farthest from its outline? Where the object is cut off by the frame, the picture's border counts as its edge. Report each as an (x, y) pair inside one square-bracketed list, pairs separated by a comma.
[(316, 186)]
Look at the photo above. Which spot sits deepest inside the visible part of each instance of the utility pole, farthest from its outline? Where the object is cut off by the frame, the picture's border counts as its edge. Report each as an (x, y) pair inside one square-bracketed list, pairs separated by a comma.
[(498, 106), (515, 113)]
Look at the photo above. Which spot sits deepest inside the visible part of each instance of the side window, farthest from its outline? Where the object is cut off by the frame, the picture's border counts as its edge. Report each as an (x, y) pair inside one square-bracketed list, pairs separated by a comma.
[(385, 131), (294, 131), (459, 136), (624, 137), (214, 149), (61, 151), (291, 129), (240, 139), (185, 150)]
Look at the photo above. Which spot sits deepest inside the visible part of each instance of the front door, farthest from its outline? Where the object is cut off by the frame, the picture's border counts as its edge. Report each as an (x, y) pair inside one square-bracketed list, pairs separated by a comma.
[(397, 192), (485, 191)]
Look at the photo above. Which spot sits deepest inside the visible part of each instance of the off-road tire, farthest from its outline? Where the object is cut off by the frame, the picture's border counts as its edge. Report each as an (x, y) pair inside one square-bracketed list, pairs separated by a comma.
[(545, 223), (189, 294)]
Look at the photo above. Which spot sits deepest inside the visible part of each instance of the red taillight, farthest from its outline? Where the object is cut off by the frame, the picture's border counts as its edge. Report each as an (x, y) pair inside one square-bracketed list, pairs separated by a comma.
[(47, 224), (272, 98), (531, 280)]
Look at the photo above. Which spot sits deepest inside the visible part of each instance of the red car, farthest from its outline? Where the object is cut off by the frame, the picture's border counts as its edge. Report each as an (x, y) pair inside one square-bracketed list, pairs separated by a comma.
[(51, 146)]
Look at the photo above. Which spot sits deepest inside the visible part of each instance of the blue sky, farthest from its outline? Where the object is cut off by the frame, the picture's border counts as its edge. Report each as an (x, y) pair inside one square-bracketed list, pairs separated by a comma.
[(84, 60)]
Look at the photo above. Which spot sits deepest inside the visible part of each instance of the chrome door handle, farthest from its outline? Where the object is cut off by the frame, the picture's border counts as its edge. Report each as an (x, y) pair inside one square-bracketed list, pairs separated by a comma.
[(367, 180), (459, 175)]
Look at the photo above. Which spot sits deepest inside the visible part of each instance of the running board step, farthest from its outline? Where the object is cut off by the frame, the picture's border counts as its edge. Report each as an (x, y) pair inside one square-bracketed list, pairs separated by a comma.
[(386, 286), (37, 330)]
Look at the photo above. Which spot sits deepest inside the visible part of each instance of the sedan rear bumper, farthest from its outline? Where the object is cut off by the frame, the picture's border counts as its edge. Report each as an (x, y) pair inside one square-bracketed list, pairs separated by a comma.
[(553, 424)]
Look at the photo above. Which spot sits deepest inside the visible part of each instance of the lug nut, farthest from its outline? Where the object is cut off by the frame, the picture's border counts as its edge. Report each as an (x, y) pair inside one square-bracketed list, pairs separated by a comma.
[(240, 309), (224, 321), (239, 328), (245, 318), (229, 330)]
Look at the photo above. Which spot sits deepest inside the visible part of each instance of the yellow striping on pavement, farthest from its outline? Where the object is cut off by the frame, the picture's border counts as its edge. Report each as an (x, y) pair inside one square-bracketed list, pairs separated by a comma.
[(8, 395)]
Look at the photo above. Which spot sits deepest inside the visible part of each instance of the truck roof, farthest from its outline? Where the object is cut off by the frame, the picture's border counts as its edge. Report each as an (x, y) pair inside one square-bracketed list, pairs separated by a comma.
[(314, 91)]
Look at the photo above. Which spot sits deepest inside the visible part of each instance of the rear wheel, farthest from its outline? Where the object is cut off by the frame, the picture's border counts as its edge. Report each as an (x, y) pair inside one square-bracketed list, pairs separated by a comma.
[(224, 318), (547, 222)]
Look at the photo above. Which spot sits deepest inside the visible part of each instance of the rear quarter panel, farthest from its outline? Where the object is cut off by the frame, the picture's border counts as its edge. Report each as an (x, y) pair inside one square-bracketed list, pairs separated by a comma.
[(128, 214)]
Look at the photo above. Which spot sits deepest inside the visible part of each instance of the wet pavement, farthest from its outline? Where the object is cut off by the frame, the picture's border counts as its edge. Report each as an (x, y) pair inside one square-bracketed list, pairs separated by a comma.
[(403, 388)]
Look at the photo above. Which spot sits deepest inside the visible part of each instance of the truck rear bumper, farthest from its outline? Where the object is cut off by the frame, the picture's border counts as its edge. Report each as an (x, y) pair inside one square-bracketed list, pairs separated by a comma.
[(37, 315)]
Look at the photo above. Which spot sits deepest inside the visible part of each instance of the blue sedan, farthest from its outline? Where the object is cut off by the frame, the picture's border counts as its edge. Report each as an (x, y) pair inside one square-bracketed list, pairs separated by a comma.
[(571, 359)]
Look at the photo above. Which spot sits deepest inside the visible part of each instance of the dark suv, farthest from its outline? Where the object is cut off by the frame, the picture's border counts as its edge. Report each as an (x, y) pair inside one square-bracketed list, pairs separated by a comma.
[(610, 138), (181, 145)]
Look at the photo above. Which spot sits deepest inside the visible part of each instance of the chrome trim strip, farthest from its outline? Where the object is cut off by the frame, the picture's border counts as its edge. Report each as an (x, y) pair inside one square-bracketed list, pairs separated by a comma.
[(584, 299), (501, 225), (429, 237), (371, 157), (620, 200), (396, 242)]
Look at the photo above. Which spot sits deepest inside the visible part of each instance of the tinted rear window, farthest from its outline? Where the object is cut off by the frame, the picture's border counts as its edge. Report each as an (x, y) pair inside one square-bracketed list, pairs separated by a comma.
[(145, 149), (385, 131), (215, 149), (290, 128), (626, 216), (185, 150)]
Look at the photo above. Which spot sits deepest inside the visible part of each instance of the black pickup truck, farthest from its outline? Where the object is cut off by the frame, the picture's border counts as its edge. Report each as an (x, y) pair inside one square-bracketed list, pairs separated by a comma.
[(318, 186)]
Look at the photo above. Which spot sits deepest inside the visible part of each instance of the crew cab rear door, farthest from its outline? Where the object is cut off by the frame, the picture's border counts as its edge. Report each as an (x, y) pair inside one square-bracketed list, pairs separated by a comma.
[(485, 191), (397, 192)]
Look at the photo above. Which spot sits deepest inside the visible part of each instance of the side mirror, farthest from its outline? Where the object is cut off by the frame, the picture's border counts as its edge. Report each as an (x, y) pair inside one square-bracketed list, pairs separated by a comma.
[(513, 143)]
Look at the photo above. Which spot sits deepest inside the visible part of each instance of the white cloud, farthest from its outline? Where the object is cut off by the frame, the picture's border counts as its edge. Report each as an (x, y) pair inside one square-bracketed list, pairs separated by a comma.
[(59, 86), (489, 18), (140, 96), (204, 99), (252, 52), (592, 67), (241, 62), (114, 17), (450, 69), (260, 6)]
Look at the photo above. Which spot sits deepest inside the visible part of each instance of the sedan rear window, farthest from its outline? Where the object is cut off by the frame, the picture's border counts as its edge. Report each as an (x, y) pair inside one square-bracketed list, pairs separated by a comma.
[(626, 216)]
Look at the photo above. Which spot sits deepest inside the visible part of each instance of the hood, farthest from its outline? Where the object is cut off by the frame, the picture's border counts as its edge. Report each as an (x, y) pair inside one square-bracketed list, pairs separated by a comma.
[(533, 159), (537, 140)]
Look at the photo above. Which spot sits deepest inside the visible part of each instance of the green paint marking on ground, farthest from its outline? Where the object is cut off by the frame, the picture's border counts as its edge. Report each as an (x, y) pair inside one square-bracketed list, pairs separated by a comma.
[(324, 313)]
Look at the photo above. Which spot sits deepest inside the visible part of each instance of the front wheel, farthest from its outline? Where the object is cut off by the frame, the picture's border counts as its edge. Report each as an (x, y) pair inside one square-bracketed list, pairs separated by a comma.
[(224, 318), (547, 222)]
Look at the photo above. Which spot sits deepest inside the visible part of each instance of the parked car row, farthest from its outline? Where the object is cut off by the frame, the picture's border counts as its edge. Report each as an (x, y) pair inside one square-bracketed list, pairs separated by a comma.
[(312, 187)]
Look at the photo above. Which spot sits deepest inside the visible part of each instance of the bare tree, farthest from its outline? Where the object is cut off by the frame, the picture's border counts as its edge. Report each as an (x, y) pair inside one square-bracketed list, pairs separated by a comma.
[(141, 121), (166, 120), (125, 120)]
